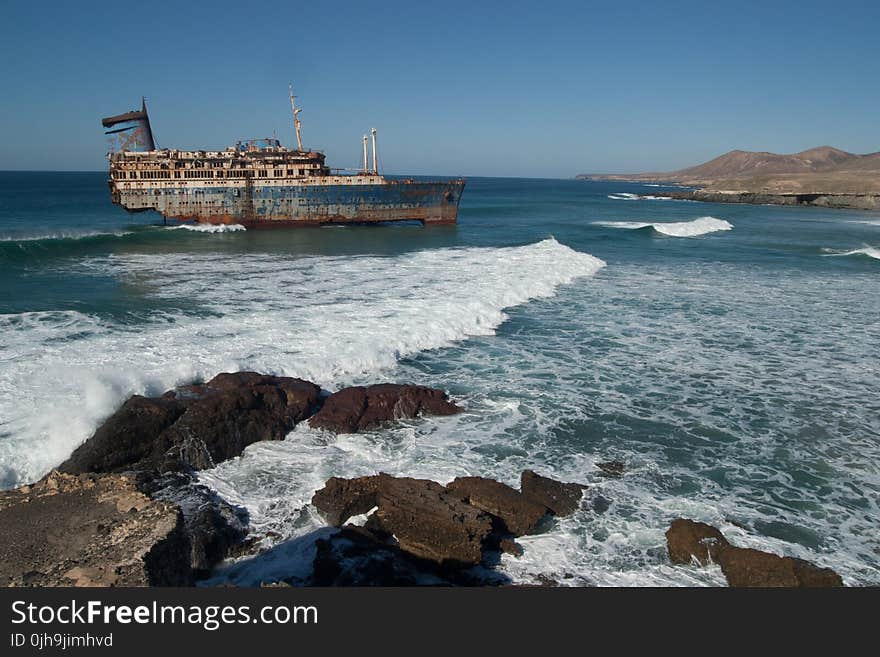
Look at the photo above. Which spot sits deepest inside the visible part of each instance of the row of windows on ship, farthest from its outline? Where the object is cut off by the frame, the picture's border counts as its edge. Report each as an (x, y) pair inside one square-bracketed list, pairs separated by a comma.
[(202, 173)]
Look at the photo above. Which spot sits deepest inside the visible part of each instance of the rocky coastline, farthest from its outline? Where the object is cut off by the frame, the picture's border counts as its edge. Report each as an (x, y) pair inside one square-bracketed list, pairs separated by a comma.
[(125, 509), (821, 200)]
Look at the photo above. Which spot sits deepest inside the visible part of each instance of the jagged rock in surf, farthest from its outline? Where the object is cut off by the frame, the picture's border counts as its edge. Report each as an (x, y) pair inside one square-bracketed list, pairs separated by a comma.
[(366, 407), (689, 541), (754, 568), (355, 556), (196, 426), (612, 468), (90, 530), (519, 513), (443, 530), (561, 498), (340, 499), (215, 528)]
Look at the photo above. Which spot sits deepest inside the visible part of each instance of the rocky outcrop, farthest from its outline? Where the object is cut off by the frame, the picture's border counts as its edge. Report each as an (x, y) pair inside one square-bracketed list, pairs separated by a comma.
[(171, 530), (519, 513), (214, 528), (90, 530), (688, 541), (560, 498), (754, 568), (870, 201), (197, 426), (612, 468), (357, 557), (430, 523), (367, 407), (438, 531)]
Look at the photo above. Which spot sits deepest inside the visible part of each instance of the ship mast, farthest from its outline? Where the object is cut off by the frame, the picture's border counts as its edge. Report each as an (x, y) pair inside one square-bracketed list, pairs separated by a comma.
[(296, 121)]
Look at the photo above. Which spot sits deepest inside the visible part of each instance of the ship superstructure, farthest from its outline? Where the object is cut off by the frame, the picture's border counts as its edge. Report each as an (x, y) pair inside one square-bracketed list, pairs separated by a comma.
[(259, 182)]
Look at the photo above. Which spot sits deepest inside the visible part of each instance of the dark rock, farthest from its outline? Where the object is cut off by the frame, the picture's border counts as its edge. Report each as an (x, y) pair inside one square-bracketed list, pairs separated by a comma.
[(235, 411), (126, 437), (90, 530), (357, 557), (215, 528), (754, 568), (612, 468), (361, 408), (428, 522), (561, 498), (340, 499), (198, 426), (509, 546), (687, 540), (519, 514)]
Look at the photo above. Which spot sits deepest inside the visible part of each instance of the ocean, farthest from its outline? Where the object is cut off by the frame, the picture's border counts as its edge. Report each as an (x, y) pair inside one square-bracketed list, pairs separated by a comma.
[(726, 354)]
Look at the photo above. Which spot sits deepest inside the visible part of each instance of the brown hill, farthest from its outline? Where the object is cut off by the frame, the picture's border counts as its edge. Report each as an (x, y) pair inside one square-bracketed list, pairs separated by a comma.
[(737, 164), (822, 169)]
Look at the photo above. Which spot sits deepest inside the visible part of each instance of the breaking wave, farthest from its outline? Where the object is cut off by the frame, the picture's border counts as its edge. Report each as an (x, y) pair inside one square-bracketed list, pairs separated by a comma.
[(869, 251), (327, 319), (694, 228), (210, 228)]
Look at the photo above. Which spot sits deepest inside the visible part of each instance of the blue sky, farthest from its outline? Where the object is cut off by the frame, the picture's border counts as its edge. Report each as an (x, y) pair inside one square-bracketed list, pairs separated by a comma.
[(545, 89)]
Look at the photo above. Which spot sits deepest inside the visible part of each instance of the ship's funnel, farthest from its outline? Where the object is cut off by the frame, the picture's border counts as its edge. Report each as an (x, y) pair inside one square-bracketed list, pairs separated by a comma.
[(130, 131)]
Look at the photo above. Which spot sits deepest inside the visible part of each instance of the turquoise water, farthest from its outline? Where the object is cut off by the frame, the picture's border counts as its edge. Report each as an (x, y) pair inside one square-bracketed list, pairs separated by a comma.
[(729, 359)]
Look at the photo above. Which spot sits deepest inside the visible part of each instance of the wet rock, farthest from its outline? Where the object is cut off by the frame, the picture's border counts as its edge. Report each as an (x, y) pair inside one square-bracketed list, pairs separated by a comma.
[(430, 523), (357, 557), (427, 521), (754, 568), (196, 427), (561, 498), (126, 437), (215, 528), (90, 530), (509, 546), (612, 468), (366, 407), (340, 499), (519, 514), (687, 540)]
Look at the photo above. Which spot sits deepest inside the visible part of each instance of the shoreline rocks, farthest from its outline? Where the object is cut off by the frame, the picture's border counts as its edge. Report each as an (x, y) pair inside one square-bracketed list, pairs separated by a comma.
[(165, 529), (422, 530), (823, 200), (361, 408), (196, 427), (688, 540), (91, 530)]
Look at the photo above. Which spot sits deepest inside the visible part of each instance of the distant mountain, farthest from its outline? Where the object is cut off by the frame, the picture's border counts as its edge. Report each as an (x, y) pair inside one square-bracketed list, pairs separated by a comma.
[(746, 164)]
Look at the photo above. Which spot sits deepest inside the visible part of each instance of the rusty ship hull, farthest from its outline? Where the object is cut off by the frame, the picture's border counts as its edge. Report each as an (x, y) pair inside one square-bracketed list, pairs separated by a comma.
[(260, 183), (319, 200)]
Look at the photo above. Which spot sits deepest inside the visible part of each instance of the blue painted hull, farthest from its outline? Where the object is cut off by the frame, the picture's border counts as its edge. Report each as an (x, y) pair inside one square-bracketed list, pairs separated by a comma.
[(318, 202)]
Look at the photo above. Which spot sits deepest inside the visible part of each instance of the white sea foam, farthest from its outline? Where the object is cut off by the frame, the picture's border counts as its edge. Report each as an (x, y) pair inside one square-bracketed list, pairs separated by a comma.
[(698, 376), (693, 228), (63, 236), (328, 319), (869, 251), (869, 222), (210, 228)]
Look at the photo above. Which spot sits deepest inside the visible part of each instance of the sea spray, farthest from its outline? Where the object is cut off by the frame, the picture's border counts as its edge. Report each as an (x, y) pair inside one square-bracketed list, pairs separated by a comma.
[(327, 319)]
